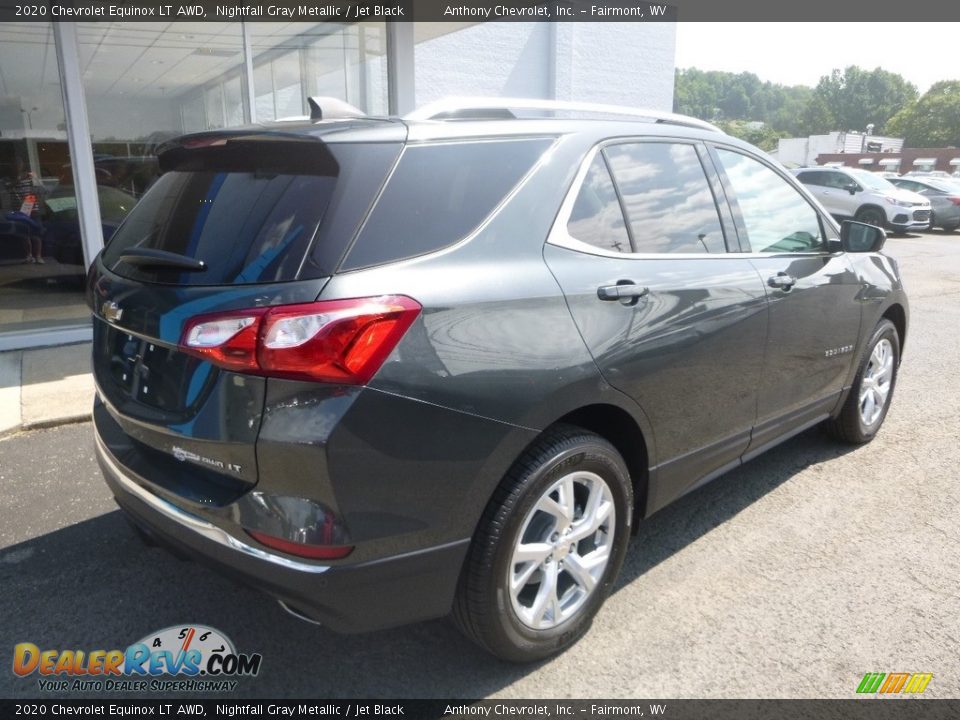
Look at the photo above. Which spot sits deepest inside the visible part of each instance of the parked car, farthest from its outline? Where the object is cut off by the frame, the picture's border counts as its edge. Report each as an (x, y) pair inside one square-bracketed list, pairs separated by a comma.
[(944, 196), (390, 369), (927, 173), (862, 195), (61, 236)]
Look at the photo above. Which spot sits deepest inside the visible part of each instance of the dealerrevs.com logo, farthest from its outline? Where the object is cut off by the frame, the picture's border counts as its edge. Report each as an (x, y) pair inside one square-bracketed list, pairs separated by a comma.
[(182, 658)]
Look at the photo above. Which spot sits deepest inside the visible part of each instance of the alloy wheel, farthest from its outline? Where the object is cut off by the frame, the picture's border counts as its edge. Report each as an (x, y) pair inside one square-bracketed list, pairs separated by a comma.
[(562, 550), (876, 382)]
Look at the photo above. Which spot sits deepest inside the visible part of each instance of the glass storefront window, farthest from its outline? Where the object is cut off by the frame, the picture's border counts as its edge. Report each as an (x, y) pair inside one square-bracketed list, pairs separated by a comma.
[(144, 84), (298, 60), (41, 253)]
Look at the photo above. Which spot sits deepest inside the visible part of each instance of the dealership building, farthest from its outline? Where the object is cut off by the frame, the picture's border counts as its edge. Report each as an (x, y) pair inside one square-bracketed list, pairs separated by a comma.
[(84, 105)]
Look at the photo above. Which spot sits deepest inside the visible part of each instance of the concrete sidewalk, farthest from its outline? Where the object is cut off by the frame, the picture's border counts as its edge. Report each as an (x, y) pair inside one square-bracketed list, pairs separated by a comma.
[(45, 387)]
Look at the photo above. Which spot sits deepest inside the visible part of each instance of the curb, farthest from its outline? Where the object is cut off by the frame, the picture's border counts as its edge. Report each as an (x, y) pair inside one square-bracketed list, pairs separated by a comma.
[(56, 422), (45, 424)]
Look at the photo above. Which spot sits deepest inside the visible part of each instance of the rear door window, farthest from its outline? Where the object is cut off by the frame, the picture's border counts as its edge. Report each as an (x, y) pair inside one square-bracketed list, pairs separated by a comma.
[(252, 209), (439, 194), (668, 202)]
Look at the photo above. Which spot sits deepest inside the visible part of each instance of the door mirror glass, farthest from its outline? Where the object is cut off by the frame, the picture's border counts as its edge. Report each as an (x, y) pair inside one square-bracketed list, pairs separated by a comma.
[(858, 237)]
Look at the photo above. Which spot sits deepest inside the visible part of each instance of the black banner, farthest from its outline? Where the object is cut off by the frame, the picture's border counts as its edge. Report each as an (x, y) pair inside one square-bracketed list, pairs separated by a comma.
[(866, 709), (475, 11)]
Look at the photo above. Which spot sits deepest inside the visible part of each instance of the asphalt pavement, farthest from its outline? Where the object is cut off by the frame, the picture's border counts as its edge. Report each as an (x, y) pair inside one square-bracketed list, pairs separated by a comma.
[(790, 577)]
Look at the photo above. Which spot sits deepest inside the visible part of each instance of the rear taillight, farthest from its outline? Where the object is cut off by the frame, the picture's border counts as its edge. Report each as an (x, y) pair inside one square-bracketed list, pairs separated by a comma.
[(305, 550), (342, 341), (955, 200)]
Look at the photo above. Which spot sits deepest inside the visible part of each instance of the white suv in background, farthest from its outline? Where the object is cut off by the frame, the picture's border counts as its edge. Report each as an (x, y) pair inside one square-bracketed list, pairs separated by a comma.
[(866, 197)]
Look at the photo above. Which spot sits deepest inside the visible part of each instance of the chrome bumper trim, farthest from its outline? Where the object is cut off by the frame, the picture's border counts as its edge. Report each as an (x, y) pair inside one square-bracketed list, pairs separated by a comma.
[(198, 525)]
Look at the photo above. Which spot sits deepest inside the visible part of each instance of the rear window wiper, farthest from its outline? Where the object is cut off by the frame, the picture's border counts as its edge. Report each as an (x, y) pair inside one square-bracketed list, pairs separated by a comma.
[(147, 257)]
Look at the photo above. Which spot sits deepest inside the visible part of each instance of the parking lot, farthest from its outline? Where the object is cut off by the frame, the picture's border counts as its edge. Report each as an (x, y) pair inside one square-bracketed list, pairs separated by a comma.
[(789, 577)]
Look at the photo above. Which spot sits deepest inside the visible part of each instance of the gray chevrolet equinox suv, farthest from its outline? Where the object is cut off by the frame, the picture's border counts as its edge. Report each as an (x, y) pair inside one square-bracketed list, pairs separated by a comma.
[(390, 369)]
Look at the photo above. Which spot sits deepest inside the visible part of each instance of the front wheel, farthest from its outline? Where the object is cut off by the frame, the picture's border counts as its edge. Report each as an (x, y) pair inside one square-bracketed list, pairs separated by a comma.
[(871, 216), (548, 549), (866, 406)]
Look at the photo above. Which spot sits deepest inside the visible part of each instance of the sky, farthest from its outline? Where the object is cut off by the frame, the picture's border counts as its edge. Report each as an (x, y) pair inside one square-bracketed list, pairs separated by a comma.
[(800, 53)]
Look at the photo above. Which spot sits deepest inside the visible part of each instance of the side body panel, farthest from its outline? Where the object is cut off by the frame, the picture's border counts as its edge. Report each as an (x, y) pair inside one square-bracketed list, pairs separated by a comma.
[(682, 352)]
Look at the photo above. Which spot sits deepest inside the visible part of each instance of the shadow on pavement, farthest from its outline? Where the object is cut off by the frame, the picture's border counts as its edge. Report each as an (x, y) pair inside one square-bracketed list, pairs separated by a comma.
[(93, 585)]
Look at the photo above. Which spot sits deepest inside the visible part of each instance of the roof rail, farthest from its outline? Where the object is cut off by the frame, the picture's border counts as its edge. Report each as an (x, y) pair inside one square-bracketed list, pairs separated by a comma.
[(467, 108)]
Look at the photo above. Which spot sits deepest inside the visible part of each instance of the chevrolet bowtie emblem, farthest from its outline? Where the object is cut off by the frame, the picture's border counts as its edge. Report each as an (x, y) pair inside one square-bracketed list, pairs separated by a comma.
[(111, 311)]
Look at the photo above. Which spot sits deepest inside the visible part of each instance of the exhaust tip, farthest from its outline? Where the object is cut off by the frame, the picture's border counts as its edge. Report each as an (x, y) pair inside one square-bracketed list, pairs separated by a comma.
[(298, 614)]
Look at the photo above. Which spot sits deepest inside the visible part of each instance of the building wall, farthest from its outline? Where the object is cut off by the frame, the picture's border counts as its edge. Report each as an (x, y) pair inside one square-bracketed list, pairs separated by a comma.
[(805, 151), (943, 156), (622, 63)]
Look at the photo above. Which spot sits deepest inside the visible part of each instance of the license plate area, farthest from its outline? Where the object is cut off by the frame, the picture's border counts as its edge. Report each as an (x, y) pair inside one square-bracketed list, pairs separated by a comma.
[(154, 374)]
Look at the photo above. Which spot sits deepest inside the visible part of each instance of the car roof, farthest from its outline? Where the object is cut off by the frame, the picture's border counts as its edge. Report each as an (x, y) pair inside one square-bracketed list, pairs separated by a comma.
[(464, 118)]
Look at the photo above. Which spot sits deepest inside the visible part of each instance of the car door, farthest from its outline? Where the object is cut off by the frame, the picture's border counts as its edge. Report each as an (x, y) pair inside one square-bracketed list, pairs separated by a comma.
[(813, 292), (672, 319)]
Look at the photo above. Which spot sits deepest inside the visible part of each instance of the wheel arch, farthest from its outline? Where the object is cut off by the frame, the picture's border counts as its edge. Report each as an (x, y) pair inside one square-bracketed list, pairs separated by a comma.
[(898, 316), (872, 206), (620, 429)]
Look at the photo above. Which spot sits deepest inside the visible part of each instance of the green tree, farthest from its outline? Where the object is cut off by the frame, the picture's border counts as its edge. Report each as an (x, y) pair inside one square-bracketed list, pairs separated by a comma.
[(853, 98), (932, 121), (764, 136)]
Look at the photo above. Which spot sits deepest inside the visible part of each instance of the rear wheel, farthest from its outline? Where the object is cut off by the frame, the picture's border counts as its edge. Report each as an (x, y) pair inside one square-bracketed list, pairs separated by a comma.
[(548, 549), (866, 406)]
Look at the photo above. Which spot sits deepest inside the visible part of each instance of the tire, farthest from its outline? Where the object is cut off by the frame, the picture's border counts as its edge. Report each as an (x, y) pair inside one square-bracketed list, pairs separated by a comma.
[(860, 418), (951, 228), (528, 624), (871, 216)]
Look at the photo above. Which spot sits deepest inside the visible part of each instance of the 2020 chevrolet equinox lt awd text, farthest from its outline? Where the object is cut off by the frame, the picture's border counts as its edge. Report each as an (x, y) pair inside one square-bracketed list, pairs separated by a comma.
[(387, 369)]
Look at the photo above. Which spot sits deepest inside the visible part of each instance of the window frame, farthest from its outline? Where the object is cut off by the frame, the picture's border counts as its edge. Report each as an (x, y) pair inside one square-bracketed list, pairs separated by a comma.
[(830, 247), (560, 236)]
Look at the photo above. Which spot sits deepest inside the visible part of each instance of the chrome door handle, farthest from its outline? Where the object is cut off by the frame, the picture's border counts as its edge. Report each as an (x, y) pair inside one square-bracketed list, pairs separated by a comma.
[(620, 291), (782, 281)]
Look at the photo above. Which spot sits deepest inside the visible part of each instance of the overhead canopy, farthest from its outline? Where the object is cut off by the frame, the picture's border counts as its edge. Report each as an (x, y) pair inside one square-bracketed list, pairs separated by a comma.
[(865, 161), (890, 162), (955, 162), (834, 164), (925, 161)]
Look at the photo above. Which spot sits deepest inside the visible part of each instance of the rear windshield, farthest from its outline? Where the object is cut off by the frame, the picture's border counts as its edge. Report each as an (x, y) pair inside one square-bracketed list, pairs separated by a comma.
[(251, 210), (438, 194)]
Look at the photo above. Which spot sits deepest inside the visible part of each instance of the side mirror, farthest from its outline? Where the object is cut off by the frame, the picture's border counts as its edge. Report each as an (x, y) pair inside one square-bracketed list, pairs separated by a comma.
[(852, 188), (858, 237)]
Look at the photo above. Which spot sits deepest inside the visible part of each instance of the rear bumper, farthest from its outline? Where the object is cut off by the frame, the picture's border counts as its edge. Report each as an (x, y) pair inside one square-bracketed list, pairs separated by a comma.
[(345, 597)]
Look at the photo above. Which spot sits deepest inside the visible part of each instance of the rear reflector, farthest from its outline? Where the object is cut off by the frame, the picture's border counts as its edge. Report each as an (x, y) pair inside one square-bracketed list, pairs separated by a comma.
[(342, 341), (314, 552)]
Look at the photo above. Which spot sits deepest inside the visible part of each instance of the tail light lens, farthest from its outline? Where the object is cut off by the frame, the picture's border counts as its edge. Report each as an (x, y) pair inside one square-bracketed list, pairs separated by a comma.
[(955, 200), (314, 552), (342, 341)]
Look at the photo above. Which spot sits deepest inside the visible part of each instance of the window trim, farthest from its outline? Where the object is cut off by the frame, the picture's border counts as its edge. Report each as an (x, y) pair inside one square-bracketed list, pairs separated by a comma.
[(559, 236), (744, 238)]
